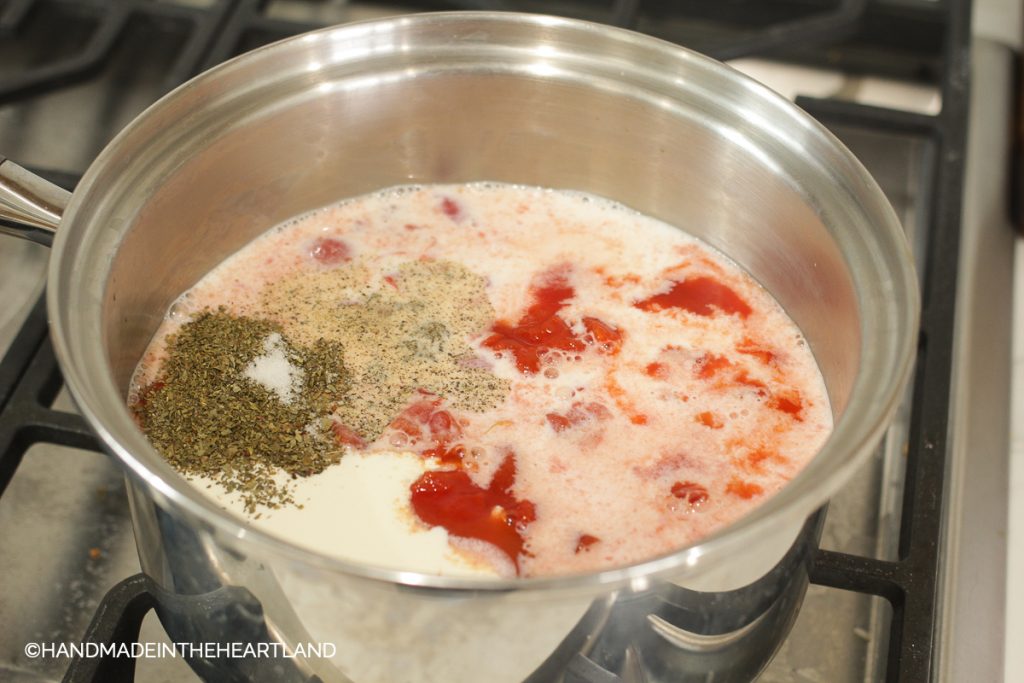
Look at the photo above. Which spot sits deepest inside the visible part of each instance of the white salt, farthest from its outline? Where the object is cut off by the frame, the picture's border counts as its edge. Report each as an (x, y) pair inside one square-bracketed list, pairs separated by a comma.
[(273, 370)]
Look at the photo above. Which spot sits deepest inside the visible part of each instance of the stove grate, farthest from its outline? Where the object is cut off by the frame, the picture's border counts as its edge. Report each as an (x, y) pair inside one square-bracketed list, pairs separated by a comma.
[(105, 22)]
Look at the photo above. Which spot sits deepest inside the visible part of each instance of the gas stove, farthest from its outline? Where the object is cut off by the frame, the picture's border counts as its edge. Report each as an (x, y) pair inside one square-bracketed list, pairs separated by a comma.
[(909, 583)]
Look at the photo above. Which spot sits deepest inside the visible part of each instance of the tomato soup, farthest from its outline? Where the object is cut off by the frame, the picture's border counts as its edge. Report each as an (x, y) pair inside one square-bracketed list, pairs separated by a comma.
[(532, 382)]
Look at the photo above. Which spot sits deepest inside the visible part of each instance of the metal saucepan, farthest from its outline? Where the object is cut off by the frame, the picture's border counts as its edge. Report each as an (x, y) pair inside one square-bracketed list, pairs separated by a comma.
[(452, 98)]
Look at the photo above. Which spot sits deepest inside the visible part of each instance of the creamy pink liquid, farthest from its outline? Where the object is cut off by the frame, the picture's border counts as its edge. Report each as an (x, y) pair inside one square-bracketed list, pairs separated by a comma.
[(660, 425)]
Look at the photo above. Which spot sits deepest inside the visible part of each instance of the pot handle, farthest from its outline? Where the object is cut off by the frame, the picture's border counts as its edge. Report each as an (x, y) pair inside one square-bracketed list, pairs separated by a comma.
[(30, 207)]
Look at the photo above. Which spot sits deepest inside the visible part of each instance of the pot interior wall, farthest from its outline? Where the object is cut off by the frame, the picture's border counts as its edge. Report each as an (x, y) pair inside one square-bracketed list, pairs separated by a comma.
[(243, 164)]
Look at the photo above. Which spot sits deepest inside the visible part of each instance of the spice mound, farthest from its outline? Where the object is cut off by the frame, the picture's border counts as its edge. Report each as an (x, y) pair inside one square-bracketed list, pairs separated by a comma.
[(238, 402), (403, 333)]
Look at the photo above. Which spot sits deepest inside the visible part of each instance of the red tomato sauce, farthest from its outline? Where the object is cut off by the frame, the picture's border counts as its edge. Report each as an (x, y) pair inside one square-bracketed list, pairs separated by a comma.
[(743, 489), (542, 329), (452, 500), (539, 329), (701, 295)]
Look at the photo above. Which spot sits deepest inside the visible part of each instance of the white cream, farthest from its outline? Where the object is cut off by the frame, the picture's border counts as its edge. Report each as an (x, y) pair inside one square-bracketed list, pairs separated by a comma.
[(358, 510)]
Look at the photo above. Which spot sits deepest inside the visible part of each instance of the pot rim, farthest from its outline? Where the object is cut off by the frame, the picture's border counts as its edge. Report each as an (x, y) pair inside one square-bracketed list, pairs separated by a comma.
[(845, 450)]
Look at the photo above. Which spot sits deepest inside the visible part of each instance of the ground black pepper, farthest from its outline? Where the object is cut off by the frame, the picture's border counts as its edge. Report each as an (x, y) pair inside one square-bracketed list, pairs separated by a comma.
[(408, 334)]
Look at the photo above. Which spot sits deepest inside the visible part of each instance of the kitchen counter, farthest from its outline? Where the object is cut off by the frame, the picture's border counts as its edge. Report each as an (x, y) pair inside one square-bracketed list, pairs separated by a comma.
[(1015, 533), (1001, 21)]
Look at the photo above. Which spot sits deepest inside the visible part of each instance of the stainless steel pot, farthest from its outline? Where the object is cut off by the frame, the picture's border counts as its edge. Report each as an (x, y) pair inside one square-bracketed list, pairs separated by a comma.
[(452, 98)]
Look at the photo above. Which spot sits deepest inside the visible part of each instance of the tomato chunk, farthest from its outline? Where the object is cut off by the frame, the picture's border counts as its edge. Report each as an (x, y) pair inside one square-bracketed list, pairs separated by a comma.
[(330, 251), (691, 492), (451, 208), (540, 329), (608, 338), (346, 436), (585, 541), (701, 295), (452, 500)]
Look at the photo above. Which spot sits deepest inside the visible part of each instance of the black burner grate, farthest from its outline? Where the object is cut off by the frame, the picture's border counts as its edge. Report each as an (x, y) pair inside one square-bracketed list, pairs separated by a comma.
[(930, 40)]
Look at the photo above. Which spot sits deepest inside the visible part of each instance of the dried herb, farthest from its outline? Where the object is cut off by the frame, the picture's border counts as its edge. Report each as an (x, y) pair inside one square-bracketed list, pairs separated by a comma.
[(207, 418)]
